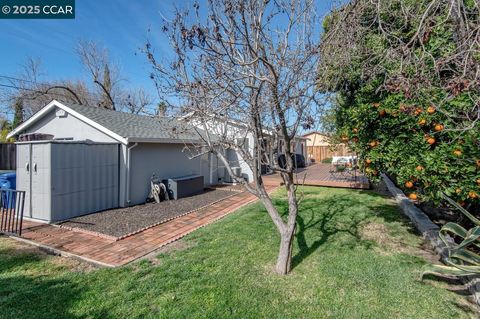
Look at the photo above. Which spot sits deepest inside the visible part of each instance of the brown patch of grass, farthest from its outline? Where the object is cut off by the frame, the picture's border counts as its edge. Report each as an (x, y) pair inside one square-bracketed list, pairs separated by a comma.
[(388, 245), (17, 249), (173, 247), (379, 233), (73, 264)]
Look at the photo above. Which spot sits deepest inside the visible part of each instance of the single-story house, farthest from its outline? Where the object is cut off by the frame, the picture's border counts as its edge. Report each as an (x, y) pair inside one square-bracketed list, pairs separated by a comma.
[(114, 150), (317, 139), (98, 159)]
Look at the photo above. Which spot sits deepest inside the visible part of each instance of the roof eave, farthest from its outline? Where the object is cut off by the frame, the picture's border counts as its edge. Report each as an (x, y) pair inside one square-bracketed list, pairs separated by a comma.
[(81, 117)]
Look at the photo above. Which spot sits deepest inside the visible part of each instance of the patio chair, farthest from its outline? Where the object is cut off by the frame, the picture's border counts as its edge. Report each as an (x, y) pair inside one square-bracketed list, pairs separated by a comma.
[(339, 167)]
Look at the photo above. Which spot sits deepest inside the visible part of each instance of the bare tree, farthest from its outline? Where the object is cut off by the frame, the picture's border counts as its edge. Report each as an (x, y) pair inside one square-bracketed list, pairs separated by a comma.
[(25, 93), (28, 90), (104, 73), (137, 101), (246, 73)]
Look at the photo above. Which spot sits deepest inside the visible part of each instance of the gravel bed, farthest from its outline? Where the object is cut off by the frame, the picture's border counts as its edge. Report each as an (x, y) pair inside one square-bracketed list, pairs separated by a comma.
[(123, 221)]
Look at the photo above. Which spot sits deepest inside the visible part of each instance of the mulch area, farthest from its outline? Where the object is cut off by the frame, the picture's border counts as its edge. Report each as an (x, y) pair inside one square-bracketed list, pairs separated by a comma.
[(122, 222)]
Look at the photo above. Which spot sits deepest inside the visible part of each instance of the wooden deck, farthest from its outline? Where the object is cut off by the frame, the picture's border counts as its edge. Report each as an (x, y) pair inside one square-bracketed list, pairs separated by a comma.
[(322, 175)]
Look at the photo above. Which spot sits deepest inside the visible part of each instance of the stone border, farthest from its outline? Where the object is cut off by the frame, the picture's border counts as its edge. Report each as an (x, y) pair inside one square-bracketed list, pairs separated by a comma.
[(57, 252), (430, 233)]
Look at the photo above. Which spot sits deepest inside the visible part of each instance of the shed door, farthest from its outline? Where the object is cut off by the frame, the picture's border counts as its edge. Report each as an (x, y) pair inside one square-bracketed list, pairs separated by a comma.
[(41, 185), (24, 165)]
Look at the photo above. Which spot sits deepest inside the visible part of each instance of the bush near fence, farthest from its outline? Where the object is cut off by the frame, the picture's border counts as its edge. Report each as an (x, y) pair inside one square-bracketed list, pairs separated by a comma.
[(7, 156)]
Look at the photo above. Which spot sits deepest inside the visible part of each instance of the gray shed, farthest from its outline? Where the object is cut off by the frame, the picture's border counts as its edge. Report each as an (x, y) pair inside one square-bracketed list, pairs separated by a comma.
[(99, 159)]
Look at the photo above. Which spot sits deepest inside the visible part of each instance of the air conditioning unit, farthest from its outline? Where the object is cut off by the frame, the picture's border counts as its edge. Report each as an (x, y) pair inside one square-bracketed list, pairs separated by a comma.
[(237, 171)]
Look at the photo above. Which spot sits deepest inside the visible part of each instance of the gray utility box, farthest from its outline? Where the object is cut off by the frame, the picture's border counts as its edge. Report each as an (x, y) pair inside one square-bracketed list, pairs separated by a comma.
[(65, 179), (184, 186)]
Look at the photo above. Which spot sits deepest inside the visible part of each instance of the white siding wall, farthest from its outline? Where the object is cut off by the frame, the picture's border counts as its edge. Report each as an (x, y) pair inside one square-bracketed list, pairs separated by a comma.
[(233, 132)]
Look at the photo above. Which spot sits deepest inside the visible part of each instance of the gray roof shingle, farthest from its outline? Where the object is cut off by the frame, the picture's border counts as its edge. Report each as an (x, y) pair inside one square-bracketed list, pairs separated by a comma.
[(134, 126)]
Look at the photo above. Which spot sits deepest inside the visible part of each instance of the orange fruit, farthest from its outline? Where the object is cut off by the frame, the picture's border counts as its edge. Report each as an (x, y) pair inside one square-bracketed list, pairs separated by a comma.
[(382, 113), (458, 191), (431, 109), (373, 143), (478, 163), (413, 196), (478, 182), (457, 152), (418, 111), (344, 139), (422, 122), (355, 139), (409, 184), (368, 161), (355, 130), (419, 168), (472, 194), (403, 107), (376, 104), (431, 140), (438, 127)]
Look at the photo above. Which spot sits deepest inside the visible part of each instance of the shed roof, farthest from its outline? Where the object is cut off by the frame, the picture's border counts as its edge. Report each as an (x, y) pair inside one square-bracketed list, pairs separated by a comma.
[(124, 127)]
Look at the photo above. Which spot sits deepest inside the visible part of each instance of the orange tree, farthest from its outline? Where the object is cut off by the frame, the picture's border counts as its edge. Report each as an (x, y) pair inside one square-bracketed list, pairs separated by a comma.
[(406, 77)]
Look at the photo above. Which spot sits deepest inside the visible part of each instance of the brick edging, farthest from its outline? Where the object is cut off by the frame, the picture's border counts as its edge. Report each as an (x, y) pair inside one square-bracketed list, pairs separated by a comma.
[(57, 252)]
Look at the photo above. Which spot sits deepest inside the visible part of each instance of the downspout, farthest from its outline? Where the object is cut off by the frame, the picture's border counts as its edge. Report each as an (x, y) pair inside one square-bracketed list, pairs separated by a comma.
[(127, 186)]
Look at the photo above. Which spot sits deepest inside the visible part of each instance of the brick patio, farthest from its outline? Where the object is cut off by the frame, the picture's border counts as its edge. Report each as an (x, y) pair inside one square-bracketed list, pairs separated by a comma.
[(320, 174), (111, 253)]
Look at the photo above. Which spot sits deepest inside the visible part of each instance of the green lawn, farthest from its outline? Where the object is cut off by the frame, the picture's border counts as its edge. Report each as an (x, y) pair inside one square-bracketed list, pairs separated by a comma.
[(355, 257)]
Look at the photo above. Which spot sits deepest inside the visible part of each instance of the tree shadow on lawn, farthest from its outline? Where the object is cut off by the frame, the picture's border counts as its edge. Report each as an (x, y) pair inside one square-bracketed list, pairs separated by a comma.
[(340, 214), (32, 286)]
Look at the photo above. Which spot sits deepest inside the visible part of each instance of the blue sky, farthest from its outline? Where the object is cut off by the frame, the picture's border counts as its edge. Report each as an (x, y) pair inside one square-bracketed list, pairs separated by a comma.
[(121, 26)]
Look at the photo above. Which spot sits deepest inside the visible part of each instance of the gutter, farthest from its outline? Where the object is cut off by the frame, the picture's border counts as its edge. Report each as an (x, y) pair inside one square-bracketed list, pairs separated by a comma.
[(127, 168)]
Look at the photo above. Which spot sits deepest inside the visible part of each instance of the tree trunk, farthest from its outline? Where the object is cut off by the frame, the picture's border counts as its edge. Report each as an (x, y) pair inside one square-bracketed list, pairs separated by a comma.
[(284, 260)]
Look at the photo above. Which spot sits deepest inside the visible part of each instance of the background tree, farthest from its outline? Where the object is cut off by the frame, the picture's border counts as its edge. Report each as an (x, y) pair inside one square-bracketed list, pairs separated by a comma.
[(161, 109), (407, 76), (103, 91), (103, 72), (250, 62), (18, 115)]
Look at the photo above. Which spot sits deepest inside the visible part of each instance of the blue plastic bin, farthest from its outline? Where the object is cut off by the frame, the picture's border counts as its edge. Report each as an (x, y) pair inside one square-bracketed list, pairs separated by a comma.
[(8, 181)]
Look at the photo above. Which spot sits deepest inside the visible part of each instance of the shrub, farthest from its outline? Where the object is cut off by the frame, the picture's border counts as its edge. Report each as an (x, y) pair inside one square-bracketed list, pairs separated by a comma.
[(463, 259), (405, 101)]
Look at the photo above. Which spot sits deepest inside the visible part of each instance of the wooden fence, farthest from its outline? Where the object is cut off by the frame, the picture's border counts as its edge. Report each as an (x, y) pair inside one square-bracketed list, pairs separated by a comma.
[(7, 156), (319, 153)]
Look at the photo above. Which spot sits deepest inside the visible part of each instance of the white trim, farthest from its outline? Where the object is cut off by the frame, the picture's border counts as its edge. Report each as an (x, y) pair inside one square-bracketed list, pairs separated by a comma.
[(81, 117), (31, 120), (162, 140)]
